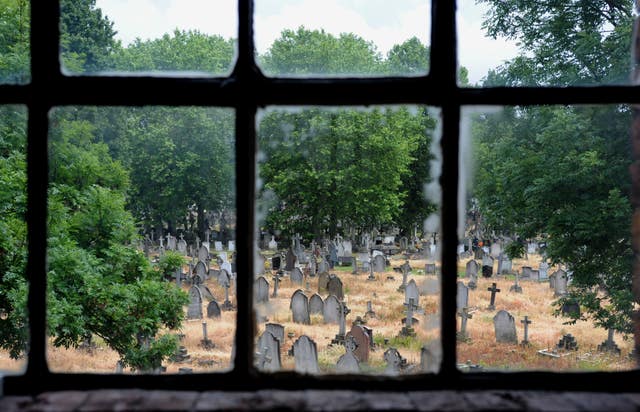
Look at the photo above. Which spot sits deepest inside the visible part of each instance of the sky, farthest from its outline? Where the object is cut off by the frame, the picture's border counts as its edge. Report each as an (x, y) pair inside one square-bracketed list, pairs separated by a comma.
[(383, 22)]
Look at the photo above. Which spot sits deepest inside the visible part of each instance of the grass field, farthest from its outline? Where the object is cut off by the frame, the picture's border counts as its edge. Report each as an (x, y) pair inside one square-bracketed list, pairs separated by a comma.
[(481, 348)]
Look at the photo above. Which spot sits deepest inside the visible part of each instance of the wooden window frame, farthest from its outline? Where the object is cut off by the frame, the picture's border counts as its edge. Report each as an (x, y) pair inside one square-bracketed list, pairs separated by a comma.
[(247, 90)]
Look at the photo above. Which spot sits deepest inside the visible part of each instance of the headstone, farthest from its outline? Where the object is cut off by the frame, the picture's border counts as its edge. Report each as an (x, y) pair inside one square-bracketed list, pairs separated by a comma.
[(412, 292), (194, 310), (323, 265), (201, 272), (526, 272), (268, 353), (465, 315), (379, 264), (394, 361), (570, 308), (505, 327), (496, 249), (276, 330), (316, 305), (487, 266), (213, 310), (526, 322), (305, 355), (471, 268), (363, 342), (507, 265), (276, 282), (493, 289), (231, 246), (348, 363), (430, 268), (552, 280), (331, 309), (560, 284), (218, 246), (296, 275), (290, 260), (203, 254), (532, 248), (543, 271), (609, 345), (462, 297), (182, 246), (567, 342), (300, 308), (334, 287), (323, 282), (516, 286), (370, 312), (261, 290)]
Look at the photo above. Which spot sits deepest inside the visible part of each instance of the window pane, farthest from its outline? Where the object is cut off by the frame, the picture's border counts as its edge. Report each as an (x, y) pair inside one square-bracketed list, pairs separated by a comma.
[(14, 41), (138, 196), (547, 218), (174, 36), (14, 330), (348, 216), (339, 38), (545, 44)]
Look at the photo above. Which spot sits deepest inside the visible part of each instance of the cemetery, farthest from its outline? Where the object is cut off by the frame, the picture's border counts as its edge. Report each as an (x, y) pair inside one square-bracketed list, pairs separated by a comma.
[(371, 321)]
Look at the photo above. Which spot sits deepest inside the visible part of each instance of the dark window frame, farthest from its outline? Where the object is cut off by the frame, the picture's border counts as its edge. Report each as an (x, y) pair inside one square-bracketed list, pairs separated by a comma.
[(247, 90)]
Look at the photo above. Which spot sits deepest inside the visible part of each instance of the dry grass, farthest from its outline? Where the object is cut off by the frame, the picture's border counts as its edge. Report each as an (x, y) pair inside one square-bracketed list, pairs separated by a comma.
[(481, 348)]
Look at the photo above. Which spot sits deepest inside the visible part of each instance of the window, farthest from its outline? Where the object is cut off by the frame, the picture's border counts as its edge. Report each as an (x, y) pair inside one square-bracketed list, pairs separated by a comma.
[(246, 90)]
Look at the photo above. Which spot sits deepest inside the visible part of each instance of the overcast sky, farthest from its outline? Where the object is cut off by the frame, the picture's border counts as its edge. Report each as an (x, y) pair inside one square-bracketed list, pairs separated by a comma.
[(383, 22)]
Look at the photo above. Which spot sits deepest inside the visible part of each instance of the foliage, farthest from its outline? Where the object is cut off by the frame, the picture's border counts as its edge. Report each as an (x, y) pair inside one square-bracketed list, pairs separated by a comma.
[(169, 263), (14, 41)]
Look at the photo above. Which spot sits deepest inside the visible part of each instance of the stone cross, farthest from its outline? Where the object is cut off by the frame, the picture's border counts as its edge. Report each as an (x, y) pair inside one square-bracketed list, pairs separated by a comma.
[(343, 311), (411, 306), (516, 286), (464, 316), (276, 280), (370, 313), (526, 323), (350, 344), (371, 275), (406, 268), (493, 289)]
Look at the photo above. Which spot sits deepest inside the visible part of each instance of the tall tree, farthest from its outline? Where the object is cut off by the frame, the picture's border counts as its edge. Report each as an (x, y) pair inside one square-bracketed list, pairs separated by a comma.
[(14, 41)]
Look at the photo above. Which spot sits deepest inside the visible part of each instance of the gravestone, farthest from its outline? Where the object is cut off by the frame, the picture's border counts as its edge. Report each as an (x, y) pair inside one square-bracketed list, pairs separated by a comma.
[(430, 268), (507, 265), (487, 266), (323, 265), (543, 271), (465, 315), (430, 357), (276, 330), (532, 248), (496, 249), (363, 341), (323, 282), (462, 297), (395, 362), (182, 246), (516, 286), (527, 272), (203, 253), (570, 308), (412, 292), (430, 286), (300, 308), (379, 264), (493, 289), (296, 276), (218, 246), (552, 280), (473, 281), (213, 310), (268, 353), (560, 284), (334, 287), (348, 363), (194, 310), (231, 246), (331, 309), (261, 290), (200, 272), (290, 260), (505, 327), (276, 281), (316, 305), (305, 355), (471, 268), (525, 322)]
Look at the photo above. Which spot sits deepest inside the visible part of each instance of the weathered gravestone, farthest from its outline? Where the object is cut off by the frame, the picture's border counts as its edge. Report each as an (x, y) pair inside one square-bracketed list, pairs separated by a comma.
[(379, 263), (462, 297), (552, 280), (496, 249), (430, 268), (276, 330), (300, 307), (182, 246), (261, 290), (543, 271), (231, 246), (471, 268), (296, 275), (305, 354), (507, 265), (213, 310), (316, 305), (412, 292), (527, 272), (505, 327), (268, 353), (203, 254), (430, 286), (218, 246), (487, 266), (331, 310), (194, 310), (290, 260), (430, 357), (348, 363), (560, 284), (323, 265), (334, 287), (200, 273), (363, 339), (395, 362), (323, 282)]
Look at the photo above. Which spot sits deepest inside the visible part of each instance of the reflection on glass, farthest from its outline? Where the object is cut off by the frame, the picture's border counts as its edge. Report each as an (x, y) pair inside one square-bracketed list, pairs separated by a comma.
[(338, 38), (550, 44), (546, 240), (141, 268), (14, 41), (14, 331), (175, 36), (348, 270)]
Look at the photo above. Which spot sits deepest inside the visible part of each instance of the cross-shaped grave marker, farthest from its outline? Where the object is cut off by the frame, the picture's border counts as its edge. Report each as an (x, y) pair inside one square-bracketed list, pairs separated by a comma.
[(343, 311), (206, 342), (465, 315), (516, 286), (493, 289), (276, 280), (371, 276), (370, 313), (406, 268), (407, 330), (526, 323)]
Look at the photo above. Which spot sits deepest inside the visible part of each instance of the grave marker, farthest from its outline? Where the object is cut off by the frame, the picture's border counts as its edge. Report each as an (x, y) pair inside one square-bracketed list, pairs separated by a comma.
[(505, 327), (296, 275), (213, 310), (194, 310), (300, 307), (348, 363), (276, 330), (493, 289), (261, 290), (331, 309), (526, 322), (268, 351), (305, 355), (334, 286), (316, 305)]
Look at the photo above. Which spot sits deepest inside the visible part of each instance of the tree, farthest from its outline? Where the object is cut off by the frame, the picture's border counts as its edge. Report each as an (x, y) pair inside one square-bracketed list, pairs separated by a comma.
[(14, 41)]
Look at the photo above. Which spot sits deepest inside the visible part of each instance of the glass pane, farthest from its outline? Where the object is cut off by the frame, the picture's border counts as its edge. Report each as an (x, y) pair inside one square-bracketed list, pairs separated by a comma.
[(547, 226), (340, 38), (348, 274), (14, 41), (174, 36), (141, 239), (14, 329), (533, 43)]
